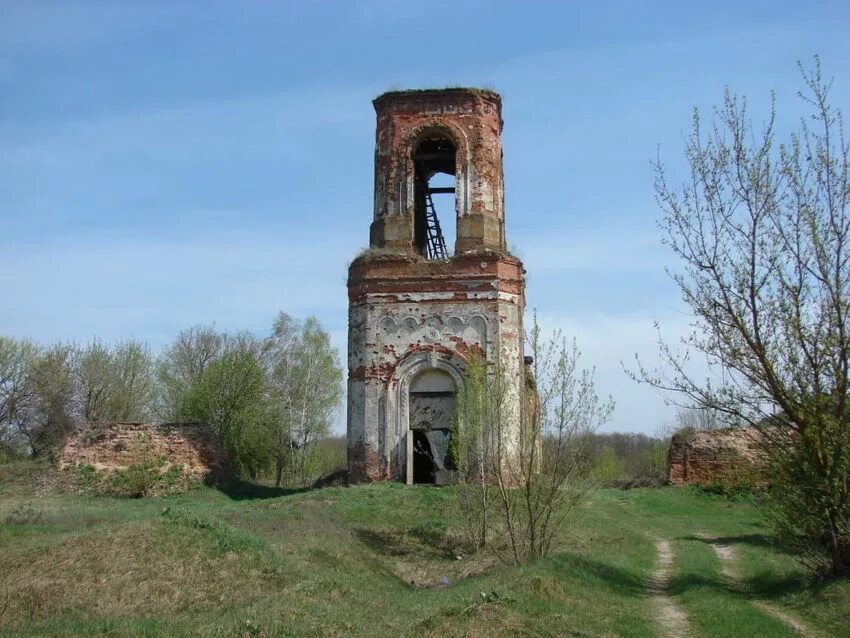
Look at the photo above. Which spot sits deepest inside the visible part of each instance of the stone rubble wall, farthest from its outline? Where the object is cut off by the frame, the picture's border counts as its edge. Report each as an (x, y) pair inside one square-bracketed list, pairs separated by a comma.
[(708, 456), (108, 447)]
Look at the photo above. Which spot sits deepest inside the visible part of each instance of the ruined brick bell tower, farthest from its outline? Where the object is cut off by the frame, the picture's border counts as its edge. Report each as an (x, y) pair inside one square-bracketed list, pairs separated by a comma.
[(417, 308)]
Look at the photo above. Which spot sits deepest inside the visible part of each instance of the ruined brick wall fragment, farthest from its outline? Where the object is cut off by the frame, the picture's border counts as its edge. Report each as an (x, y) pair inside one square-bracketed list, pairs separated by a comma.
[(108, 447), (711, 456)]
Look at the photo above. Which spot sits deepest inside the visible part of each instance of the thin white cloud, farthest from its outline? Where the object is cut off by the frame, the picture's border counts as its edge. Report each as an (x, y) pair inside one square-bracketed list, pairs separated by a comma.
[(610, 342), (117, 286), (601, 248)]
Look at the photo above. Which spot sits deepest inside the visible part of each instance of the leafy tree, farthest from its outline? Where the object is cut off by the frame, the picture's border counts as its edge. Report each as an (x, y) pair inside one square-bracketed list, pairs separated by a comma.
[(114, 384), (94, 376), (49, 417), (637, 456), (16, 390), (181, 366), (693, 417), (132, 389), (230, 397), (762, 231), (607, 466), (479, 405), (305, 383)]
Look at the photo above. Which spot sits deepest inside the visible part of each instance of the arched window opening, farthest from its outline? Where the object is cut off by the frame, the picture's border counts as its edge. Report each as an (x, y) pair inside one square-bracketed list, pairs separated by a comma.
[(432, 414), (434, 182)]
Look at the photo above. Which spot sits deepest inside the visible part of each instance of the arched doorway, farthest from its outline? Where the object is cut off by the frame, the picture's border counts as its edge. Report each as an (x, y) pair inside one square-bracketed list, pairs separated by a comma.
[(431, 419)]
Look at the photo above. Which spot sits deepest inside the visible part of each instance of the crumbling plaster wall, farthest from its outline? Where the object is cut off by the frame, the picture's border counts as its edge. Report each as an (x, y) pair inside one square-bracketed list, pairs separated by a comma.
[(408, 314), (405, 317)]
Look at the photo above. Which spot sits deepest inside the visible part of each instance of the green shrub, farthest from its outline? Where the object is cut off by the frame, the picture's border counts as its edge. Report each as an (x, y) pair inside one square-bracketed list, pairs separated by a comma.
[(139, 479), (152, 475), (607, 467), (86, 478)]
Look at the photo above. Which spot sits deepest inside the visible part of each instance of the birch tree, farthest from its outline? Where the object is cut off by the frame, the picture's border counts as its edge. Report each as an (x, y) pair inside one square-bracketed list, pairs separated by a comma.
[(306, 389)]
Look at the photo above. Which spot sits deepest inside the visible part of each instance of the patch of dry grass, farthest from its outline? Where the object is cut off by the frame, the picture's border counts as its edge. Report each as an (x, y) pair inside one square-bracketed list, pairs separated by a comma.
[(362, 561), (139, 569)]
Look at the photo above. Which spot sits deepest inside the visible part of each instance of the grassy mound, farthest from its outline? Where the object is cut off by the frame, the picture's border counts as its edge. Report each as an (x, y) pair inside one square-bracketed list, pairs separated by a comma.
[(376, 560)]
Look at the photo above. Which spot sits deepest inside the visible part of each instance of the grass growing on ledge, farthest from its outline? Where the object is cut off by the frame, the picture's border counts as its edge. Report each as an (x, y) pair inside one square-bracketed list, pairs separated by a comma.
[(373, 560)]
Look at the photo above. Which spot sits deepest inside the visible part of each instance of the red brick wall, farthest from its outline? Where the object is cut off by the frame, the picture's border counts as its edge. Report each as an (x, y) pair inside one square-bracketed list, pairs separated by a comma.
[(114, 446), (708, 456), (472, 118), (407, 313)]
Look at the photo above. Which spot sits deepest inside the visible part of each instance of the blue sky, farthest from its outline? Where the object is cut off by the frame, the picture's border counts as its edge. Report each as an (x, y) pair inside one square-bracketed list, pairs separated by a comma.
[(174, 163)]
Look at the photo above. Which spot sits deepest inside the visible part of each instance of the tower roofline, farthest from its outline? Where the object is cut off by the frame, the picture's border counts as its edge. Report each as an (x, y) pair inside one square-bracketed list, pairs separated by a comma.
[(450, 92)]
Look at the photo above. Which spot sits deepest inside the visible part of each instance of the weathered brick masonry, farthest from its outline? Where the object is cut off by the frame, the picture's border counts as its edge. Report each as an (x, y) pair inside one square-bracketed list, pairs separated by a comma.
[(115, 446), (414, 320), (472, 120), (708, 456)]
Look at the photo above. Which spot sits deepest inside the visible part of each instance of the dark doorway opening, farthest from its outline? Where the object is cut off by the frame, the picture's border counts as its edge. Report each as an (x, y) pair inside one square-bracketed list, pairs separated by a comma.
[(431, 418), (423, 459)]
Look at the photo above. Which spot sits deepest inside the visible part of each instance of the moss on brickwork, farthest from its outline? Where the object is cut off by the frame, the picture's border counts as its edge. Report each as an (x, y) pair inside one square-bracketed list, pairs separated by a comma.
[(139, 459), (705, 457)]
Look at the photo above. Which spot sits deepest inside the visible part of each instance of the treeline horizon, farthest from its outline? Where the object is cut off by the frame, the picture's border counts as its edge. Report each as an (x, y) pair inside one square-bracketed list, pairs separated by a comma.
[(269, 398)]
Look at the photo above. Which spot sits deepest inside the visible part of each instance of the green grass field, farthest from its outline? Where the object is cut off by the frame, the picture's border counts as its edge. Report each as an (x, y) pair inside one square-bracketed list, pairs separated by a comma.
[(370, 560)]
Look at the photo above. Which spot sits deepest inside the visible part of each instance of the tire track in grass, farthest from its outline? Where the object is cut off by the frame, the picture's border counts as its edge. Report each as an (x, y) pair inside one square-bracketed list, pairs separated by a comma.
[(727, 557), (671, 617)]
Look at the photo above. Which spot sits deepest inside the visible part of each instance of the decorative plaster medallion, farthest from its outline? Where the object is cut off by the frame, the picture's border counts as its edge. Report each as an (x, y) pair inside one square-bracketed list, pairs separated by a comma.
[(432, 334)]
